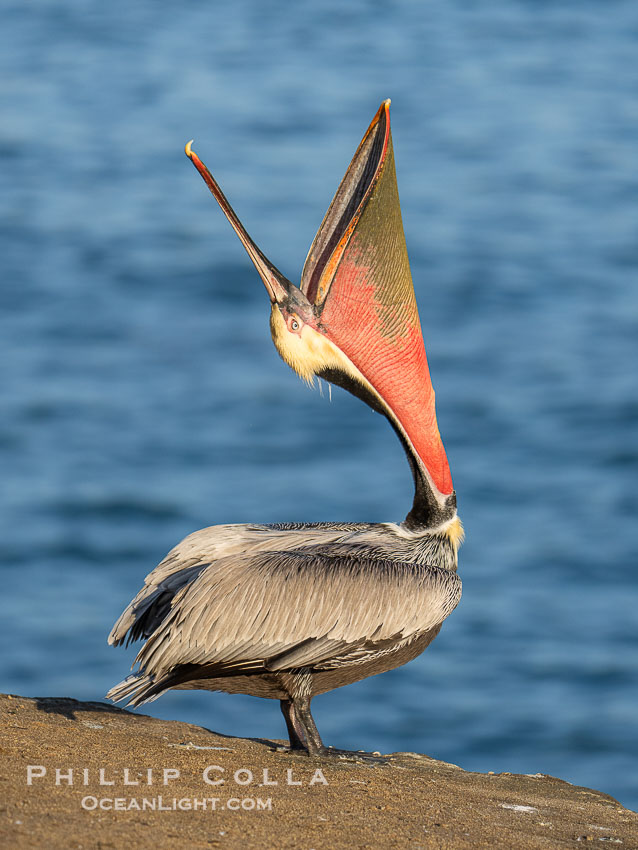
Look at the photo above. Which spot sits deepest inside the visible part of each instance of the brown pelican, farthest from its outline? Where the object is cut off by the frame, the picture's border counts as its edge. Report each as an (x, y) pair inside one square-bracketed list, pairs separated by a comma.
[(291, 610)]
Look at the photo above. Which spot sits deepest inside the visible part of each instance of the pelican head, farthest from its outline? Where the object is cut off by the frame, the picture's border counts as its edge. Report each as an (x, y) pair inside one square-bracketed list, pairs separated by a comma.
[(354, 320)]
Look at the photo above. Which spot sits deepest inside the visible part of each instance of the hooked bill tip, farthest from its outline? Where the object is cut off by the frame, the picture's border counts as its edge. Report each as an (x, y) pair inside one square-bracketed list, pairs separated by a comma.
[(187, 149)]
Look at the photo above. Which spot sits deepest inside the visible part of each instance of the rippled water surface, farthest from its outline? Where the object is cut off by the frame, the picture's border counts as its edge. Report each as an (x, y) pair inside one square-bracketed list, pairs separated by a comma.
[(142, 397)]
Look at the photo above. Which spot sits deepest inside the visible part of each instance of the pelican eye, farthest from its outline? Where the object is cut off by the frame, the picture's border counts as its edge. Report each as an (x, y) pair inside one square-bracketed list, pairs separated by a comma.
[(294, 324)]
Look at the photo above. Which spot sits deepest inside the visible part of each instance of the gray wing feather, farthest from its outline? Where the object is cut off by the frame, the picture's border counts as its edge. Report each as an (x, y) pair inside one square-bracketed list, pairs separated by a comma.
[(276, 610), (182, 564)]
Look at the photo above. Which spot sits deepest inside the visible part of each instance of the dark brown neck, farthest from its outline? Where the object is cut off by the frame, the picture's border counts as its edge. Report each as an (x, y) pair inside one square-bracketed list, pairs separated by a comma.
[(427, 511)]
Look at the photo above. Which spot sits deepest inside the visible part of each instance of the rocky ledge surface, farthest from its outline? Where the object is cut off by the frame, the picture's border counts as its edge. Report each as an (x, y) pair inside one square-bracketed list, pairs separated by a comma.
[(82, 775)]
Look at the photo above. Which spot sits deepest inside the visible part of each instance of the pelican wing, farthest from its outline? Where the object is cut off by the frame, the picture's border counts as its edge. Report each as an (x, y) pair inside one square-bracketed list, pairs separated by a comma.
[(202, 550), (238, 615)]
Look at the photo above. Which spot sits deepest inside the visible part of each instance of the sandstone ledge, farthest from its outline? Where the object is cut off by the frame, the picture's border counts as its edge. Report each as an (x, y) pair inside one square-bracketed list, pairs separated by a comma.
[(413, 801)]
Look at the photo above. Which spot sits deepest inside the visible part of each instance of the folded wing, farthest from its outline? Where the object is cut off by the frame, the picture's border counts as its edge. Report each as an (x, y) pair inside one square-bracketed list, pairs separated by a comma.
[(238, 615)]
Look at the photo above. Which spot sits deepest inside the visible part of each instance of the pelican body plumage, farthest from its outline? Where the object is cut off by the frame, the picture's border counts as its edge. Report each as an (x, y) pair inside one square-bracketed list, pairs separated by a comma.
[(292, 610)]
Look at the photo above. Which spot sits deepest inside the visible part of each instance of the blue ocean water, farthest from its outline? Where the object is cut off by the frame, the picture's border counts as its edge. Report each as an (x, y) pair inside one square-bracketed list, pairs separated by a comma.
[(142, 396)]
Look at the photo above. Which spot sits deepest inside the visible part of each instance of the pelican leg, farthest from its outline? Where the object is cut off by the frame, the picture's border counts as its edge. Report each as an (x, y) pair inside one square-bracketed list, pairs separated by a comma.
[(301, 707), (295, 729), (315, 747)]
